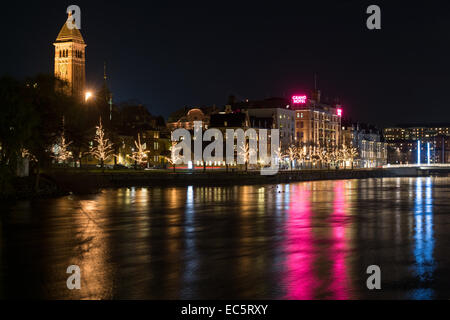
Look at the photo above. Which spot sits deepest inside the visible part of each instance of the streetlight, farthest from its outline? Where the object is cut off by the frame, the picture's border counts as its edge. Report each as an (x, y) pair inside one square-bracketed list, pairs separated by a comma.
[(87, 96)]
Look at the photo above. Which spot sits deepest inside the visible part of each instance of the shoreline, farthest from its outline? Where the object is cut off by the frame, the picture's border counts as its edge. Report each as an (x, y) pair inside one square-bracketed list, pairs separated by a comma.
[(57, 183)]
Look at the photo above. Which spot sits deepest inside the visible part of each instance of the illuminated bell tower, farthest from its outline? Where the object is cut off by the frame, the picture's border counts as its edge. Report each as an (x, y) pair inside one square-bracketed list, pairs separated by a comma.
[(70, 59)]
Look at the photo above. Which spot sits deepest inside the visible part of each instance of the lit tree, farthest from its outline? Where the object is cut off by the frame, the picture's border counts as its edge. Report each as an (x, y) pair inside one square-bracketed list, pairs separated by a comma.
[(291, 153), (340, 155), (352, 153), (279, 155), (246, 153), (320, 155), (140, 155), (301, 154), (61, 151), (27, 155), (173, 159), (103, 150), (332, 156)]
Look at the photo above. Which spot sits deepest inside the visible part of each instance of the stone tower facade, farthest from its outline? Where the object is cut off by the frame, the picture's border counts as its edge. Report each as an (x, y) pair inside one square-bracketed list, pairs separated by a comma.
[(70, 59)]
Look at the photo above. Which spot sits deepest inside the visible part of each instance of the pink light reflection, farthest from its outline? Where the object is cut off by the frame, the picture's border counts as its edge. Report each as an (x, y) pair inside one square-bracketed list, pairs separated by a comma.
[(339, 286), (300, 280)]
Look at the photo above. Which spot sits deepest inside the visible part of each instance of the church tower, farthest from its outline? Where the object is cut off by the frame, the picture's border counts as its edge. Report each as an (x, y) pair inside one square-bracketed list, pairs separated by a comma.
[(70, 59)]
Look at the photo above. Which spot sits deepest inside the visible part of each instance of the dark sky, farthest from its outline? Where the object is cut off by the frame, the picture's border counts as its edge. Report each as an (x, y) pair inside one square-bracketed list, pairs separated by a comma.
[(170, 54)]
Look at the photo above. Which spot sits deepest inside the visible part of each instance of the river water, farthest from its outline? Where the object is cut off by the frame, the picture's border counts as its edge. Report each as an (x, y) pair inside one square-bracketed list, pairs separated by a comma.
[(309, 240)]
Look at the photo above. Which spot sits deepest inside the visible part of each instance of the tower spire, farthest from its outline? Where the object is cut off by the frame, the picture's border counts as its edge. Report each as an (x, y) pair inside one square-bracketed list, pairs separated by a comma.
[(70, 58)]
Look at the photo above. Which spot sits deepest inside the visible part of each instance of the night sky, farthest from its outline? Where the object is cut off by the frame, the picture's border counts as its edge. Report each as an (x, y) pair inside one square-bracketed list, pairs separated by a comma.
[(169, 54)]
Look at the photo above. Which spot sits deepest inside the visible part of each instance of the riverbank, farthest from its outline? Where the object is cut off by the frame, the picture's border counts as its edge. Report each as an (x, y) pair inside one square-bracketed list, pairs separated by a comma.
[(82, 182), (57, 182)]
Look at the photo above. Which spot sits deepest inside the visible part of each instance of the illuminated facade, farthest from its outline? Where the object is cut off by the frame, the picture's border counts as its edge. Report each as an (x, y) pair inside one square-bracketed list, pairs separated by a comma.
[(317, 124), (302, 120), (184, 118), (416, 132), (403, 143), (70, 59), (283, 119), (368, 140)]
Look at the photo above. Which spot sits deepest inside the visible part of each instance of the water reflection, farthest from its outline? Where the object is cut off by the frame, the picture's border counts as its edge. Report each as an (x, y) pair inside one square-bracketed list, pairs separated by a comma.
[(423, 240), (339, 284), (311, 240), (301, 280), (92, 251), (190, 251)]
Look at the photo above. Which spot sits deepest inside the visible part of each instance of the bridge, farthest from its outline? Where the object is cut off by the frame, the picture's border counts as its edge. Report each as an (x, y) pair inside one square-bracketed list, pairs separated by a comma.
[(418, 169)]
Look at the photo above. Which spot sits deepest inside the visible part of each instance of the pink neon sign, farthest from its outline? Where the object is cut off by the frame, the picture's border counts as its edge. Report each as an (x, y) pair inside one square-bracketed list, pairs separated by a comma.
[(299, 99), (339, 112)]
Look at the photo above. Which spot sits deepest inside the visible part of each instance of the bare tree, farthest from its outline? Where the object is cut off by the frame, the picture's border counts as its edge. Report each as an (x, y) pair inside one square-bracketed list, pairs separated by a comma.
[(173, 159), (291, 153), (352, 153), (140, 156), (104, 148), (247, 153), (60, 150)]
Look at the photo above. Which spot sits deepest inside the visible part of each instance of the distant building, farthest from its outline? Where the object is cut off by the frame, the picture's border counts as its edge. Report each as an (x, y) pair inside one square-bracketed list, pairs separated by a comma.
[(317, 124), (282, 119), (137, 116), (403, 143), (275, 111), (368, 140), (230, 120), (302, 122), (416, 132), (184, 118)]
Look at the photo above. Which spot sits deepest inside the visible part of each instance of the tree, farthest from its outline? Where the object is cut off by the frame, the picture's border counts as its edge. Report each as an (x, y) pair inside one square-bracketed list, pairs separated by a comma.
[(278, 155), (61, 151), (174, 158), (292, 155), (104, 148), (246, 153), (140, 156), (352, 153), (301, 154)]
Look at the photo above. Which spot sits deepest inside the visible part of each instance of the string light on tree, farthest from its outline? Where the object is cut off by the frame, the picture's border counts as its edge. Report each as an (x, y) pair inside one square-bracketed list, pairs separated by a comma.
[(103, 150), (141, 154)]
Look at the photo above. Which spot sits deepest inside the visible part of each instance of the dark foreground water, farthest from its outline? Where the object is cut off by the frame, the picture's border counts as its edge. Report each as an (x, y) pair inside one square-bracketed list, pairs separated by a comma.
[(310, 240)]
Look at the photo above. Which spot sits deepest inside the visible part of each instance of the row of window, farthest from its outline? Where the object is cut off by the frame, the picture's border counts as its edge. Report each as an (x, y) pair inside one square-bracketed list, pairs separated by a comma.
[(65, 53)]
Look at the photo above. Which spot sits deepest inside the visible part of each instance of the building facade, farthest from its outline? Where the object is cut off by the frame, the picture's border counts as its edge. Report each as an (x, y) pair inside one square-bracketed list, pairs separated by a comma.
[(283, 119), (317, 123), (418, 143), (368, 140), (70, 59)]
